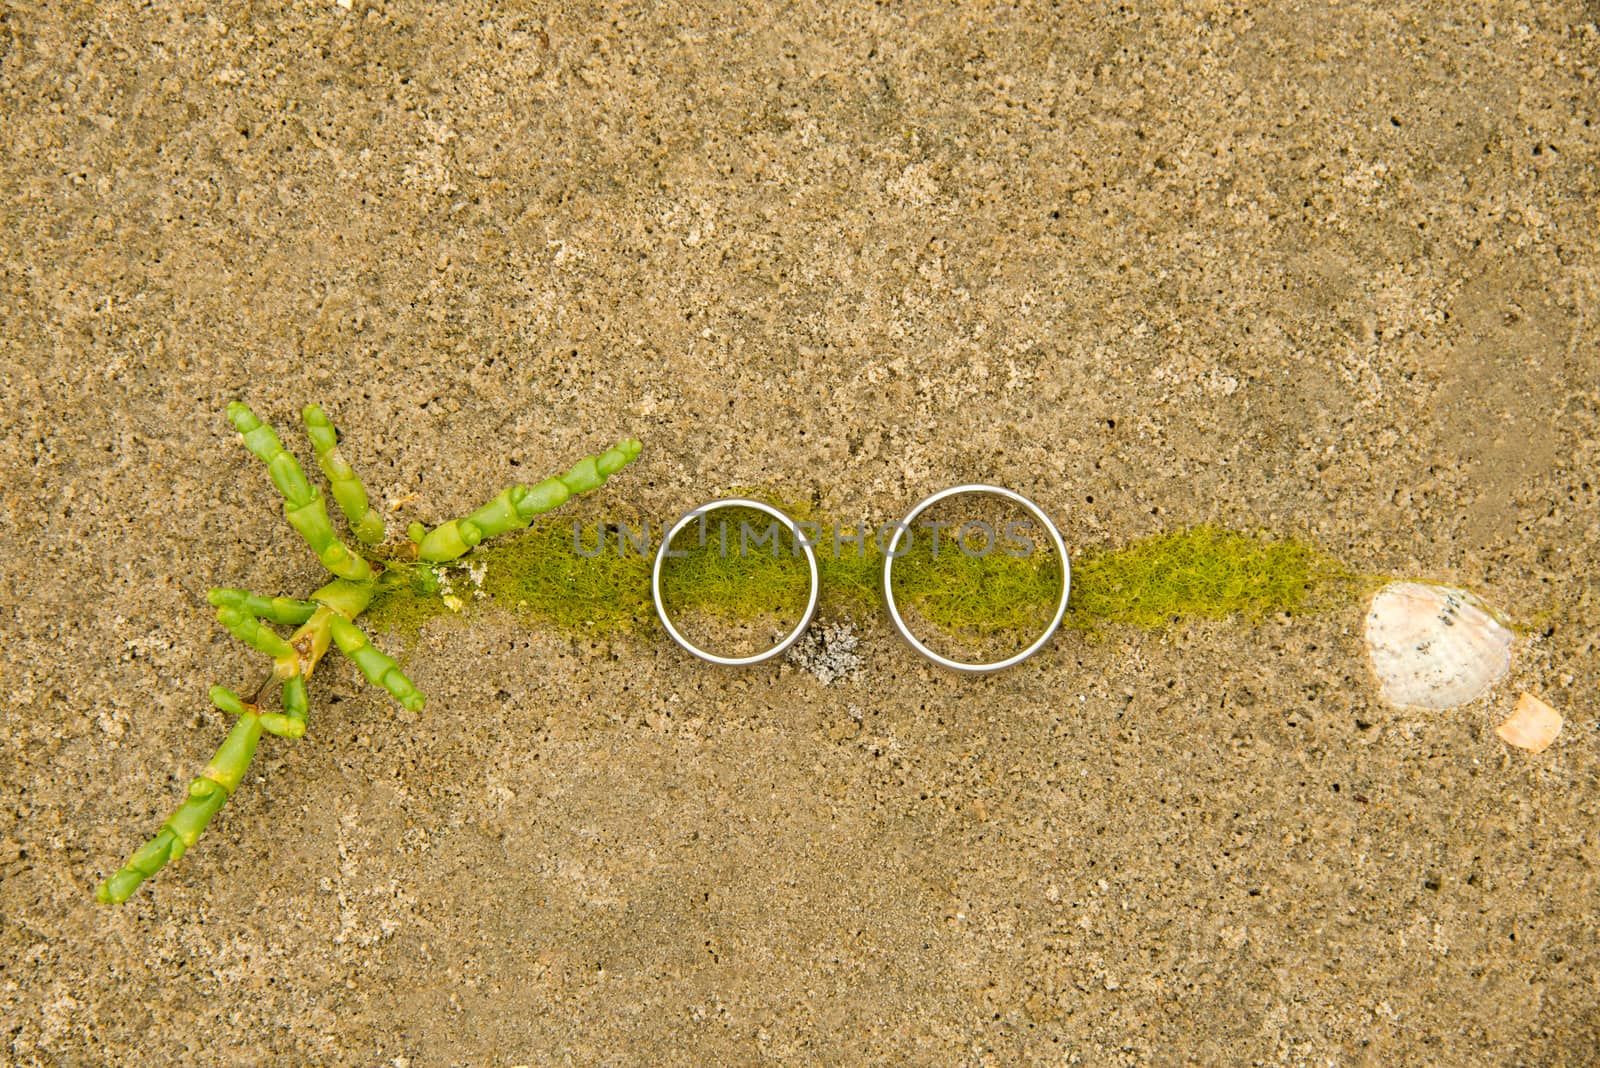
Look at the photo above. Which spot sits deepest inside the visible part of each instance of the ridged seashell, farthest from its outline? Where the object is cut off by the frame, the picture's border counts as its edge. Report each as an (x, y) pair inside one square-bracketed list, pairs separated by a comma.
[(1533, 726), (1434, 646)]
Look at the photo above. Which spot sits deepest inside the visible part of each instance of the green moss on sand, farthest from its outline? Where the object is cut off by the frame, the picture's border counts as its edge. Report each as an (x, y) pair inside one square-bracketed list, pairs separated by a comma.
[(1203, 572), (1198, 572)]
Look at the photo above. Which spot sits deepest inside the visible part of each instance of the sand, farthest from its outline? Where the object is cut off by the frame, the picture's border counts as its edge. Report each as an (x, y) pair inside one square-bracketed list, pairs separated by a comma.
[(1322, 270)]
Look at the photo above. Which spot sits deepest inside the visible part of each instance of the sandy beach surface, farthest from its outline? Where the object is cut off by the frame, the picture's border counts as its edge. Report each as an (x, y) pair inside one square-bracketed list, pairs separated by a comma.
[(1326, 270)]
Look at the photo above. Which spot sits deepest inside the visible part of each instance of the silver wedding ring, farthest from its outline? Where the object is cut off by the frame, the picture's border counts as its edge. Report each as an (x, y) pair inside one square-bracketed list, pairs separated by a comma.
[(890, 552), (700, 513)]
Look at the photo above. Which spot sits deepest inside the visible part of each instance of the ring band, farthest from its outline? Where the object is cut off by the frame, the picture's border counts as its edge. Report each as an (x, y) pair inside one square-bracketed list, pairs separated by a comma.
[(904, 525), (799, 539)]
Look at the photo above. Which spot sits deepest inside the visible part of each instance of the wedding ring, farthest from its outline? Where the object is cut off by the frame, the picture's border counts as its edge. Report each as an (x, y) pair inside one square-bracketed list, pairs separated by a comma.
[(904, 526), (700, 513)]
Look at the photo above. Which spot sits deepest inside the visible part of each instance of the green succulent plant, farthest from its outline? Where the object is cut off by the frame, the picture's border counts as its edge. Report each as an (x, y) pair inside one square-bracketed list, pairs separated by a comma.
[(326, 619)]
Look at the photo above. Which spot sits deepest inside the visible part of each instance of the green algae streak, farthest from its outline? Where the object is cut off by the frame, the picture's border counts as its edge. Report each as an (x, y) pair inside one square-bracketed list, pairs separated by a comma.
[(1201, 572)]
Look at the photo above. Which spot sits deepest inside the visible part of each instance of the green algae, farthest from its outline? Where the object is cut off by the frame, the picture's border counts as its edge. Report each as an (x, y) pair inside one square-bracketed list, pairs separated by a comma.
[(594, 578), (1203, 572)]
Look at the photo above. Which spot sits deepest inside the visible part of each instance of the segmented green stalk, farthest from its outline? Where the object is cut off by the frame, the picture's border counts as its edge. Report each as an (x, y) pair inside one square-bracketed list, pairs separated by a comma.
[(302, 503), (284, 724), (296, 707), (515, 507), (378, 668), (285, 610), (248, 629), (365, 522), (208, 792)]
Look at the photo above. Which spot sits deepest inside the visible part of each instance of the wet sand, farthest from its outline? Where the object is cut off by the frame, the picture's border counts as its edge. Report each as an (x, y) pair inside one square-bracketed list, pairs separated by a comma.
[(1320, 270)]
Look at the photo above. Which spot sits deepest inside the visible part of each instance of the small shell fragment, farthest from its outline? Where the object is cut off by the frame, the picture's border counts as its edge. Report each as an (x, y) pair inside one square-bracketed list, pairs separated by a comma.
[(1434, 646), (1533, 726)]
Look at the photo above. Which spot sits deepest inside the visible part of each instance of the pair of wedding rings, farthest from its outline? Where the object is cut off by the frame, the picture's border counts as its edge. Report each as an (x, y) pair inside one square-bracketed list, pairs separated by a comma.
[(890, 552)]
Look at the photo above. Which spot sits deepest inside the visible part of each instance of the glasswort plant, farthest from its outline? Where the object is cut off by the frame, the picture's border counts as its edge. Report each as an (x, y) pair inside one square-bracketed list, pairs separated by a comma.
[(327, 618)]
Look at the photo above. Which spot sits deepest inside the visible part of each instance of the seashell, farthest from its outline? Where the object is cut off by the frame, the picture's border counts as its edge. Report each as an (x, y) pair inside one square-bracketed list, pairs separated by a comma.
[(1434, 646), (1533, 726)]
